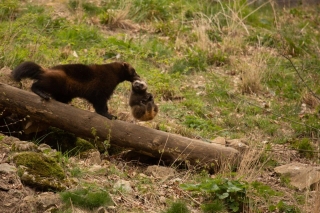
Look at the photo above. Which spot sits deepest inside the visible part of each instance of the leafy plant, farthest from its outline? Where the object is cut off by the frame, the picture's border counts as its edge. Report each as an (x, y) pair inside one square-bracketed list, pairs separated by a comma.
[(231, 192)]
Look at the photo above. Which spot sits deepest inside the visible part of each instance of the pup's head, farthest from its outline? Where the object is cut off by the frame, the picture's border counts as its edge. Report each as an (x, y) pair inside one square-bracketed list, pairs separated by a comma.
[(129, 72), (139, 86)]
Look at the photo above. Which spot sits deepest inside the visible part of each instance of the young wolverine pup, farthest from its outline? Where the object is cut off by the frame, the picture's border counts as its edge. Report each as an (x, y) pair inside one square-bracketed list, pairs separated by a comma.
[(95, 83), (141, 102)]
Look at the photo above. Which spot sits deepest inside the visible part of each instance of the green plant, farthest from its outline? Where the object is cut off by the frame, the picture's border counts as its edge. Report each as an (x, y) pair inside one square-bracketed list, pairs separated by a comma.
[(87, 197), (283, 207), (201, 124), (305, 147), (150, 10), (231, 192), (8, 9), (264, 190), (193, 61), (285, 180), (177, 207), (76, 172)]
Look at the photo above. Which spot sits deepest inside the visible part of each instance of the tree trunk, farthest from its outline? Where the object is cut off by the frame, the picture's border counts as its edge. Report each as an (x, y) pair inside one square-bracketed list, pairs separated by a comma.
[(83, 123)]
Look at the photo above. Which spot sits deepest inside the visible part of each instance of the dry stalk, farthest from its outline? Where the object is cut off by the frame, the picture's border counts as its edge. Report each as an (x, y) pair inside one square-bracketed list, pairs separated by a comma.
[(250, 165), (252, 74), (316, 208)]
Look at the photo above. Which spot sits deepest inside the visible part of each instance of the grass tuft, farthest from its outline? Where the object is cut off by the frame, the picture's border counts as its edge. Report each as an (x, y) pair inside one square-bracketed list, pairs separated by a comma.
[(177, 207), (89, 198)]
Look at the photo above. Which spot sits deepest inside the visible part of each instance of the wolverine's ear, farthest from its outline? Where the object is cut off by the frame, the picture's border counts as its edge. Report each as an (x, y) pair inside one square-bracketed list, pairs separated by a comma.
[(125, 64)]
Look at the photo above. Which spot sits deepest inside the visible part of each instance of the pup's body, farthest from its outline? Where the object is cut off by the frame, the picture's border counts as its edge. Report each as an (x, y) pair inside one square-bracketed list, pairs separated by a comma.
[(95, 83), (141, 102)]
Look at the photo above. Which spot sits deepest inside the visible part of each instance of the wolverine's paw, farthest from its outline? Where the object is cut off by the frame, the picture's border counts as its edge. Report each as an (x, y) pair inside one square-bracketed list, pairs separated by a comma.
[(150, 98), (111, 117), (40, 93), (43, 95)]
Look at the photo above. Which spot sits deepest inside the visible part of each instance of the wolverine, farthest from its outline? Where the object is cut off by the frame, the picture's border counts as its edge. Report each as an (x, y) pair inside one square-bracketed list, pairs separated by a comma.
[(141, 102), (95, 83)]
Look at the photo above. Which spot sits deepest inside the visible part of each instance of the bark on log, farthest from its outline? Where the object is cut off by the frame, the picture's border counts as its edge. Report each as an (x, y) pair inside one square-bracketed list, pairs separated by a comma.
[(138, 138)]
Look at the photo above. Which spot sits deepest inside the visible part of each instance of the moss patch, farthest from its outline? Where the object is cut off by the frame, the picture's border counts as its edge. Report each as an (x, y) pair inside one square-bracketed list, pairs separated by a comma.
[(39, 164), (39, 171)]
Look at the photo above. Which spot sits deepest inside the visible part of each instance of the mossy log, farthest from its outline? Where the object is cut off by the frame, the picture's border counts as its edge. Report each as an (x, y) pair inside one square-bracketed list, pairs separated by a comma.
[(88, 124)]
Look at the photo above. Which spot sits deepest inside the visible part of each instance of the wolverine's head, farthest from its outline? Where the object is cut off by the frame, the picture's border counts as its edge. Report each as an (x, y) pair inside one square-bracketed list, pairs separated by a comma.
[(130, 72), (139, 86)]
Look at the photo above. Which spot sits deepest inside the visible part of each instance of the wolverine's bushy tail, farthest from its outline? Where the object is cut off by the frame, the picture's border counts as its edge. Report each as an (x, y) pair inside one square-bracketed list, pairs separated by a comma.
[(27, 69)]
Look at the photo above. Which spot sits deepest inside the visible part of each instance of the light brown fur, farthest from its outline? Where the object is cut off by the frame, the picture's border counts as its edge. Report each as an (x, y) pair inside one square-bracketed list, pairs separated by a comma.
[(141, 102)]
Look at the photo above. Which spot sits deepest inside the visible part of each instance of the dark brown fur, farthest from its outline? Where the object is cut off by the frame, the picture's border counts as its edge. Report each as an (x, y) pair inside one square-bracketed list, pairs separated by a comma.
[(141, 102), (95, 83)]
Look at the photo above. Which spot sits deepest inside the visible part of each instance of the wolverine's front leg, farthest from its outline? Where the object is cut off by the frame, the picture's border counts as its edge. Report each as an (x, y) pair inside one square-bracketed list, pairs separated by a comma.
[(39, 91), (101, 108)]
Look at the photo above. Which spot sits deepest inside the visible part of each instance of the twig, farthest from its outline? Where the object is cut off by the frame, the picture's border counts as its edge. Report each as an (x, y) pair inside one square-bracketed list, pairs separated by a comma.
[(303, 81)]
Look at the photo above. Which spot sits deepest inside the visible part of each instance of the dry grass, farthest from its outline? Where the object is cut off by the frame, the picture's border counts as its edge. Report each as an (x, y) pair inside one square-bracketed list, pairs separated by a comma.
[(309, 99), (200, 28), (316, 208), (251, 74), (119, 19)]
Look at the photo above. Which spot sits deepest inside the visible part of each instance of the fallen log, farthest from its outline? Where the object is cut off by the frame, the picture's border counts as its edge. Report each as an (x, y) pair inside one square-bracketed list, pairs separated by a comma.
[(88, 124)]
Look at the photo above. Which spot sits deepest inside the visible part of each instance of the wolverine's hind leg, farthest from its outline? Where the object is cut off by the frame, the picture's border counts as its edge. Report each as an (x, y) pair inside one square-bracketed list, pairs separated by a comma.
[(37, 89)]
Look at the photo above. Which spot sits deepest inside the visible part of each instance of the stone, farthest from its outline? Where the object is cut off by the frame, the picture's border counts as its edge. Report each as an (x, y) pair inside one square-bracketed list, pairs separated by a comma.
[(21, 146), (102, 210), (219, 140), (237, 144), (302, 176), (91, 157), (163, 199), (44, 147), (123, 185), (40, 171), (6, 168), (160, 171), (43, 202)]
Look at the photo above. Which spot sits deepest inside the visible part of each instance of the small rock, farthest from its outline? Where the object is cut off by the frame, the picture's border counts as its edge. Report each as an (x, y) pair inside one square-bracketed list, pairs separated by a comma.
[(123, 185), (160, 171), (22, 146), (6, 168), (176, 181), (219, 140), (102, 210), (301, 175), (91, 157), (47, 200), (162, 199), (95, 168), (237, 144), (44, 147), (40, 171)]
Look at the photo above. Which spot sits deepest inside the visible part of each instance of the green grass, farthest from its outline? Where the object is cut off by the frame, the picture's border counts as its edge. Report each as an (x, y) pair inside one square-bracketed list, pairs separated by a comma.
[(177, 207), (87, 197)]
